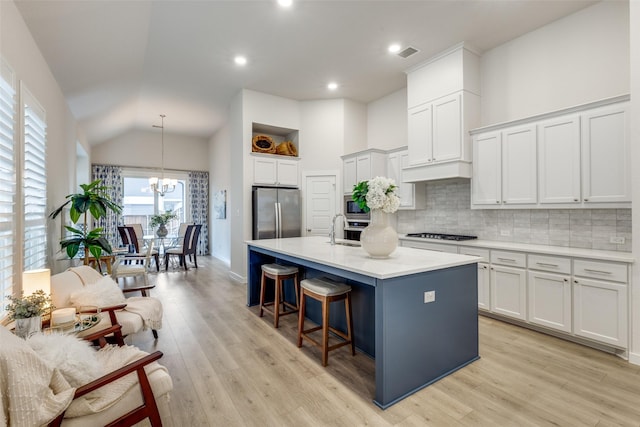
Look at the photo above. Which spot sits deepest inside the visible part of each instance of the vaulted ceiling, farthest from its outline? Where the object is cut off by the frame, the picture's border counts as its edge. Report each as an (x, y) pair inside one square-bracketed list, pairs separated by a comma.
[(122, 63)]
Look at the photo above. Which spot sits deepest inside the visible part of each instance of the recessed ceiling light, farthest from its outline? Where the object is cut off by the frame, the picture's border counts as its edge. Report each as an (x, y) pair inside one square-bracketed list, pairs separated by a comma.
[(285, 3), (394, 48), (240, 60), (332, 86)]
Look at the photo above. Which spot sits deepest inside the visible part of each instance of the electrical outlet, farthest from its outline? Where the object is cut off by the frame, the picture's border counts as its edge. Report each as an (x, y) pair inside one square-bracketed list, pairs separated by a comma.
[(505, 233), (429, 296), (617, 240)]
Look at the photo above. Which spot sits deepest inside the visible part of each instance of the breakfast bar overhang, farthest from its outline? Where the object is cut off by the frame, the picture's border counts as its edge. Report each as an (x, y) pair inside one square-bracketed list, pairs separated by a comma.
[(415, 312)]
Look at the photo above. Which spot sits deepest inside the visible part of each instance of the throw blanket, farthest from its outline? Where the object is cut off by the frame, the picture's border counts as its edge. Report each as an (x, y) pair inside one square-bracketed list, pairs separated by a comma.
[(111, 358), (150, 309), (31, 392)]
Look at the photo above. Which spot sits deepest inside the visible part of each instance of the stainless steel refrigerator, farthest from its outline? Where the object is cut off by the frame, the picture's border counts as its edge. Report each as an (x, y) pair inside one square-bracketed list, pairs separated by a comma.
[(276, 212)]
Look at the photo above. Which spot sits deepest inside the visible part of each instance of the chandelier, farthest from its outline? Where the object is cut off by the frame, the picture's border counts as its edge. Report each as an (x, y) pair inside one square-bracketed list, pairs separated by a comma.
[(163, 185)]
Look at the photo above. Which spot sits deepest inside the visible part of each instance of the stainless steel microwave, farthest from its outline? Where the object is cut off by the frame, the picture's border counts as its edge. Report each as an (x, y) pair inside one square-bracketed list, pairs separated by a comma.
[(353, 212)]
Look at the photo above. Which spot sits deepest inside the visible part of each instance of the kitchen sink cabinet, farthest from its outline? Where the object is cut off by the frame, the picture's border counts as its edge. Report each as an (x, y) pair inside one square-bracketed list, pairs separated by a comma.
[(268, 170), (362, 166)]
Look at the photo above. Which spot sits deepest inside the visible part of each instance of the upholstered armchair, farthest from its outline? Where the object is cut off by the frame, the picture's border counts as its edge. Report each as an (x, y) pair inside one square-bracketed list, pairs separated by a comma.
[(60, 380), (85, 286)]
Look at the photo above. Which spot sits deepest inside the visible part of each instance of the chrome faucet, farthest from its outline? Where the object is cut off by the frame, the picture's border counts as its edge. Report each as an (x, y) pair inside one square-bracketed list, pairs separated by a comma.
[(332, 232)]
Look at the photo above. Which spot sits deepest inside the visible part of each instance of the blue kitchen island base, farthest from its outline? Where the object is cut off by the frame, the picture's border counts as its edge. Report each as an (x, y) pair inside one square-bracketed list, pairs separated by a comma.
[(414, 342)]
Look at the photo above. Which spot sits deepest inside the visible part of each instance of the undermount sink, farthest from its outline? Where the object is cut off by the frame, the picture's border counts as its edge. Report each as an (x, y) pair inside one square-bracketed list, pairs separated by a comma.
[(346, 243)]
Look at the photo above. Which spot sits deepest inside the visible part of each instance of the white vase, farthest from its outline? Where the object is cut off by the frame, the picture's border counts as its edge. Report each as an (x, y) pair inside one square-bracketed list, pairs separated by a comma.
[(379, 239), (26, 327)]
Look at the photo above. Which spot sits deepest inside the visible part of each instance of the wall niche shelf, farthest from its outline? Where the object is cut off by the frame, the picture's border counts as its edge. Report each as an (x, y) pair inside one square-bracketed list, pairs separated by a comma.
[(279, 141)]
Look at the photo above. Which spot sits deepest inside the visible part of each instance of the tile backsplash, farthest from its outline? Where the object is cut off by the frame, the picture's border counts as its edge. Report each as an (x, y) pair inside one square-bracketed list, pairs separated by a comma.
[(449, 211)]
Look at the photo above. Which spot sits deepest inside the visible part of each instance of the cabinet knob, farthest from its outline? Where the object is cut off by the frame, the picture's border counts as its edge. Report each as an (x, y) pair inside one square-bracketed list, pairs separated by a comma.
[(566, 280), (497, 201), (575, 281), (586, 200), (576, 200)]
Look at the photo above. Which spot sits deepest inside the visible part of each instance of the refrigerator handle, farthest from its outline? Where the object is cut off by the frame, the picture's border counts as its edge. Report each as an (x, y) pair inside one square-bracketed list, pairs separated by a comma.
[(276, 206), (279, 220)]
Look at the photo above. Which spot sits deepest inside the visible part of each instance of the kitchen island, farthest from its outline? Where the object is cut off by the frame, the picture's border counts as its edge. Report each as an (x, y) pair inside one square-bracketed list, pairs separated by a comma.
[(416, 312)]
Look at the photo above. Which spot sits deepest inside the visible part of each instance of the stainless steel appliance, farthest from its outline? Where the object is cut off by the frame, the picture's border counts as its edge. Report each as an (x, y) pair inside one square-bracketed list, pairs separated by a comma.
[(353, 212), (442, 236), (353, 229), (276, 212)]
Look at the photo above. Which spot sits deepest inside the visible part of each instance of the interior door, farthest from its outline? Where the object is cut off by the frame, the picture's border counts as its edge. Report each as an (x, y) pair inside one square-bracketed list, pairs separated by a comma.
[(320, 204)]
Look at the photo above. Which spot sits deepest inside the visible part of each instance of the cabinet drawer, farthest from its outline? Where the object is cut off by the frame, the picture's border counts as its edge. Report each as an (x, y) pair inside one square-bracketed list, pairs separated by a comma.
[(549, 263), (600, 270), (431, 246), (513, 259), (483, 253)]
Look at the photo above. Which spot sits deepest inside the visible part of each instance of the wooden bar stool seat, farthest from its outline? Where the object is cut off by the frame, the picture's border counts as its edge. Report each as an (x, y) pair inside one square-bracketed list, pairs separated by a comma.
[(278, 273), (326, 291)]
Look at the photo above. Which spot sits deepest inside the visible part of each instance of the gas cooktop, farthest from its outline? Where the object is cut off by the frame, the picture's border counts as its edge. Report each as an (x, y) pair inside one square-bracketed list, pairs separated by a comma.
[(441, 236)]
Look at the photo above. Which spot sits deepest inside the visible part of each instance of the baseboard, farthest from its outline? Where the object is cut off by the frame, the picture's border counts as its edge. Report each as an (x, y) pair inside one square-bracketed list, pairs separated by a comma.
[(237, 278), (634, 358)]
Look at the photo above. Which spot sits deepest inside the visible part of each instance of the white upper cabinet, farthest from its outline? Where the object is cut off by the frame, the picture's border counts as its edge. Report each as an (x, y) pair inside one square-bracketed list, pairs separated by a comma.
[(486, 183), (606, 155), (269, 170), (504, 169), (396, 160), (443, 105), (519, 165), (559, 160), (578, 157), (362, 166)]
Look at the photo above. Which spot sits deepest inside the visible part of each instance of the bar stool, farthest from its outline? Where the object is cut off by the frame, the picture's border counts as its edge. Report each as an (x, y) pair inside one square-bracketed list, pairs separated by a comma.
[(279, 273), (326, 291)]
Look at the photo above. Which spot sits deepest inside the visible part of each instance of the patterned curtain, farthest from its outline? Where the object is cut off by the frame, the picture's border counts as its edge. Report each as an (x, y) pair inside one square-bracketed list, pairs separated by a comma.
[(111, 177), (199, 194)]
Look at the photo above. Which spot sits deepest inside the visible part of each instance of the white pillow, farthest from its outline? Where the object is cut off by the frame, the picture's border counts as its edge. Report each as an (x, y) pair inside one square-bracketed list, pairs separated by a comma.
[(72, 356), (103, 293)]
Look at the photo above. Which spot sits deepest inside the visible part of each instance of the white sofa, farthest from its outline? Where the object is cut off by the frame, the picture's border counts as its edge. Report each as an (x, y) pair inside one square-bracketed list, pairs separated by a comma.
[(74, 279)]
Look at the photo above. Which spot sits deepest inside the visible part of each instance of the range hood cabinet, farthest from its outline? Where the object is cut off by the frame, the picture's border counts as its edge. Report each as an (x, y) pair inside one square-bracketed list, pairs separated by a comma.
[(437, 171)]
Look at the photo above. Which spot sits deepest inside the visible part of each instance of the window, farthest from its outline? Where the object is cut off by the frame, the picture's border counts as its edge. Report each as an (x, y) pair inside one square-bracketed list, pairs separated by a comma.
[(139, 203), (7, 182), (34, 183)]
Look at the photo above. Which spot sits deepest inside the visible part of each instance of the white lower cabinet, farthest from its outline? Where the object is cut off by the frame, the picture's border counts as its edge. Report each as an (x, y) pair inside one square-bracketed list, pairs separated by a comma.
[(509, 291), (600, 311), (550, 300), (484, 286)]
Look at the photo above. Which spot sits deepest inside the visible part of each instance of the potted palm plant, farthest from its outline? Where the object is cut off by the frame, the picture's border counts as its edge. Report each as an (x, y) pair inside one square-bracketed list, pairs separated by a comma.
[(95, 202)]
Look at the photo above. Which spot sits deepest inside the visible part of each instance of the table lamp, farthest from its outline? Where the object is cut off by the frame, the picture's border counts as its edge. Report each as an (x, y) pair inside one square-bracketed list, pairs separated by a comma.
[(33, 280)]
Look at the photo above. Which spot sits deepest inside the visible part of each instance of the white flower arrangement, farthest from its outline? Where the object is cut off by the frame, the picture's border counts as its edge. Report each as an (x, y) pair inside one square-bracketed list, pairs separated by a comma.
[(377, 193)]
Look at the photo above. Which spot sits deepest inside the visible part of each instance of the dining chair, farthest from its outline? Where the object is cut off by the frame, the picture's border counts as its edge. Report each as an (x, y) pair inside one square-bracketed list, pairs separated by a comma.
[(189, 247), (126, 268), (132, 235)]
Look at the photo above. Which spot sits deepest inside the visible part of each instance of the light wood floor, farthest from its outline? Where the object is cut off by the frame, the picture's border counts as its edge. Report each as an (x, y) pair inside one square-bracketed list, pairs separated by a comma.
[(232, 368)]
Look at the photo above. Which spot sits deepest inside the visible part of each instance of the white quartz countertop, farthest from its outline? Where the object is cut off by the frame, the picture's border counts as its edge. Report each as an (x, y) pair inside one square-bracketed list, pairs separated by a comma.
[(531, 248), (402, 262)]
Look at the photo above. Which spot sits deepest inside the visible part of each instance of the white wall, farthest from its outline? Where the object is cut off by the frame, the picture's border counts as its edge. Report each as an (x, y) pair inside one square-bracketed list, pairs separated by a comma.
[(21, 52), (321, 134), (580, 58), (355, 126), (140, 148), (635, 154), (387, 121), (220, 179), (236, 193)]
